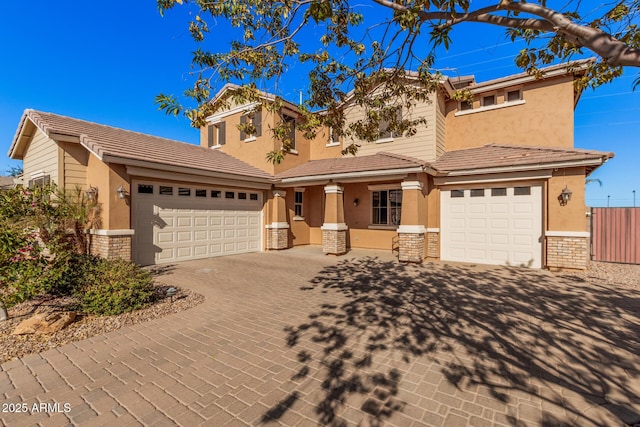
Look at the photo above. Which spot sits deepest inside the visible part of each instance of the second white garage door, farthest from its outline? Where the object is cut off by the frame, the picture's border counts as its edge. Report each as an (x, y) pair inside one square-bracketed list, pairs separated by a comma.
[(181, 222), (492, 225)]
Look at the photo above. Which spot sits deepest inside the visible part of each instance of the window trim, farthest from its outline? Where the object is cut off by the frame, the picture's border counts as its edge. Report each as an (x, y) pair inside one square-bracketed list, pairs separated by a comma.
[(297, 191), (286, 118), (251, 116), (389, 224), (489, 95), (392, 136), (511, 90)]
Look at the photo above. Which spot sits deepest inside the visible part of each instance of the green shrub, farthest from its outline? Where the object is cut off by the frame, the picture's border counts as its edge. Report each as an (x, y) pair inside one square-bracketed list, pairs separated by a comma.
[(113, 287), (21, 280)]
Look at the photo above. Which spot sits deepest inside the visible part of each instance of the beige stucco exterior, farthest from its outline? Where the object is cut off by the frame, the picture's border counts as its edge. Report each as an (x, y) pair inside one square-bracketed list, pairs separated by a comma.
[(544, 119), (572, 216)]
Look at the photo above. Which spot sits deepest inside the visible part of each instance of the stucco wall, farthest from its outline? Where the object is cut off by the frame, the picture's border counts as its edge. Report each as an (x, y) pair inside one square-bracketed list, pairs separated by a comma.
[(571, 217), (545, 118)]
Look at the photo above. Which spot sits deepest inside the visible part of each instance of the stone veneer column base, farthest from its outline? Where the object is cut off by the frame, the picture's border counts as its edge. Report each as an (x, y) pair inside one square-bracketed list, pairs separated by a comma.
[(410, 247), (567, 252), (334, 239), (111, 244), (277, 236), (433, 244)]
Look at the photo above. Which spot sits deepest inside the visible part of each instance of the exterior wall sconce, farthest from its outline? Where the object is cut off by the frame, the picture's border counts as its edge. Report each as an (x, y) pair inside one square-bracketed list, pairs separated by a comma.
[(121, 192), (356, 202), (92, 193), (565, 196)]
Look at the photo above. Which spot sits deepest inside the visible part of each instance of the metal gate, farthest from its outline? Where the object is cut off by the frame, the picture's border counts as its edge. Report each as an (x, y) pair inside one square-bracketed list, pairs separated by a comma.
[(615, 235)]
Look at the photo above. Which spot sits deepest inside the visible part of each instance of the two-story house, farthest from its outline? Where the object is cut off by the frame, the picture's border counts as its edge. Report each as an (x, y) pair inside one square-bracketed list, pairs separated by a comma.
[(495, 181)]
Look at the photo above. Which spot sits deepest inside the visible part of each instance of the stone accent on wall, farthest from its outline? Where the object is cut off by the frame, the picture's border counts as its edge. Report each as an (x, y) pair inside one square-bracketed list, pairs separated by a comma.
[(277, 236), (334, 239), (411, 247), (111, 246), (433, 244), (567, 252)]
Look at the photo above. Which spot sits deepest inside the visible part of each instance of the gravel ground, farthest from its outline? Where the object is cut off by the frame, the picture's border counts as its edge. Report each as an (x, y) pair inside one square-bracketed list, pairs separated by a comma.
[(618, 275), (12, 346)]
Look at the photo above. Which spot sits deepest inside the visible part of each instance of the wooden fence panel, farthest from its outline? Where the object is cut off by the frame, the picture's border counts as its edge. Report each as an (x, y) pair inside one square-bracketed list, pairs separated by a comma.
[(615, 235)]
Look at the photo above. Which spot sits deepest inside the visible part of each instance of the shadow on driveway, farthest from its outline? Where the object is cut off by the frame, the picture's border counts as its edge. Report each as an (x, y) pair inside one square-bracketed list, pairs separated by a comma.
[(568, 349)]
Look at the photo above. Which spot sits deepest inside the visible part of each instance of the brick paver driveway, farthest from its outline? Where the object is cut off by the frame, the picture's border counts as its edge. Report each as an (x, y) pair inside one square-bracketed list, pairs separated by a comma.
[(297, 338)]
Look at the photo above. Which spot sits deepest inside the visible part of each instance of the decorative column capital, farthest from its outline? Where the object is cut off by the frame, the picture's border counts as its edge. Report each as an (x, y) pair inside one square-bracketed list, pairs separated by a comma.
[(333, 189), (279, 193), (411, 185)]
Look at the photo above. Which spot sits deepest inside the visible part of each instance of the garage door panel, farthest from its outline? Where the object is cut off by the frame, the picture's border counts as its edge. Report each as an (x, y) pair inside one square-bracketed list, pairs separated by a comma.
[(526, 208), (184, 236), (522, 224), (499, 223), (477, 238), (476, 208), (200, 235), (499, 208), (459, 222), (170, 227), (501, 229), (478, 223), (478, 254), (165, 237), (499, 239), (458, 237), (184, 252)]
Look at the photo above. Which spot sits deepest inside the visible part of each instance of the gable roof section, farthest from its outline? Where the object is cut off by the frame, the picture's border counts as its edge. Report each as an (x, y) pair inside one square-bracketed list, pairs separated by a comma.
[(378, 164), (502, 158), (116, 145)]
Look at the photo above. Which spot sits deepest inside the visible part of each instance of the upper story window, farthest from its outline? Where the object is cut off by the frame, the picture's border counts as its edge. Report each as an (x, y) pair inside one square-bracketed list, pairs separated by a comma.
[(466, 105), (513, 95), (384, 134), (386, 207), (255, 120), (334, 138), (290, 136), (488, 100), (216, 134)]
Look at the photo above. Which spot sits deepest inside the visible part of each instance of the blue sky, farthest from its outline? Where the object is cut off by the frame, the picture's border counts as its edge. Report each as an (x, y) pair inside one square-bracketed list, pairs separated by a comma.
[(107, 63)]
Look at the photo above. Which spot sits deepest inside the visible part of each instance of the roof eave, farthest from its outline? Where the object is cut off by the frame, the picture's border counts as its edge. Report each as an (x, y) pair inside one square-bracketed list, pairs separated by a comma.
[(521, 168), (16, 143), (109, 158), (385, 173)]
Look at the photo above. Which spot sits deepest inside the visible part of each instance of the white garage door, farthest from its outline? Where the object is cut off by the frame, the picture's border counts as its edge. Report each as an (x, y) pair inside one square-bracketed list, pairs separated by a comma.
[(492, 225), (180, 222)]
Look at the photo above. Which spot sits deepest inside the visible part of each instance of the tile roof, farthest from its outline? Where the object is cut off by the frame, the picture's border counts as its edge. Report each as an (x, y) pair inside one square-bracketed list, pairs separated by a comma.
[(128, 145), (377, 162), (500, 156)]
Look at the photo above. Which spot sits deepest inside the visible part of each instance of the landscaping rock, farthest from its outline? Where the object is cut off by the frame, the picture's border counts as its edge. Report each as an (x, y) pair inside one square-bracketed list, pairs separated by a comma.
[(45, 323)]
